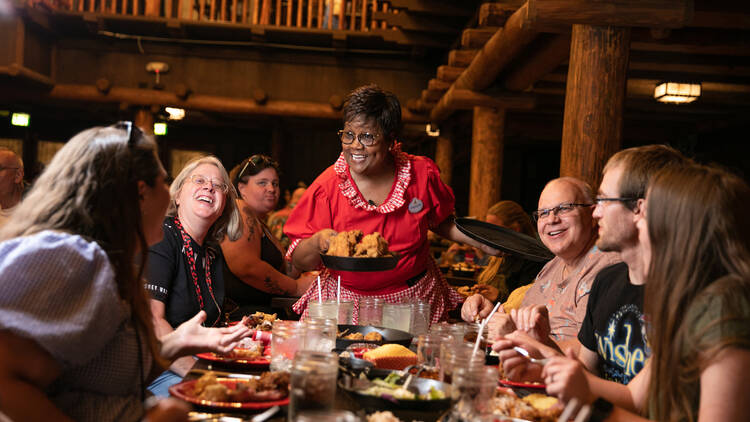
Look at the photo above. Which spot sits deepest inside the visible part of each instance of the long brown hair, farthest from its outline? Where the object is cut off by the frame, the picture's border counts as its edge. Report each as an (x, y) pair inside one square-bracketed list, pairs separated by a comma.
[(509, 213), (699, 234), (90, 188)]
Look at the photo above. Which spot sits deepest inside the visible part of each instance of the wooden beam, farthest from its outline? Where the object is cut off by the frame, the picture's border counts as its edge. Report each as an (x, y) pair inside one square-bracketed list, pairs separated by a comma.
[(449, 73), (461, 58), (464, 99), (594, 100), (545, 59), (496, 14), (429, 95), (647, 13), (211, 103), (444, 158), (23, 72), (720, 20), (438, 85), (476, 38), (503, 46)]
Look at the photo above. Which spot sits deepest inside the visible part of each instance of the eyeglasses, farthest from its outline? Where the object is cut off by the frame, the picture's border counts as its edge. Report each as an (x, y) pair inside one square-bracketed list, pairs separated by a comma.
[(256, 160), (365, 138), (561, 209), (600, 201), (202, 181)]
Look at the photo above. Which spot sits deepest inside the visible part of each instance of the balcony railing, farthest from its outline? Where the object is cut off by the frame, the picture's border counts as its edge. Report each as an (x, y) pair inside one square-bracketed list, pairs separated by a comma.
[(355, 15)]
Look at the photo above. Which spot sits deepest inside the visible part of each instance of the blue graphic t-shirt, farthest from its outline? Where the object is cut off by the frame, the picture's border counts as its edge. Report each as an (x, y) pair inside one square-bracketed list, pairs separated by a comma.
[(614, 326)]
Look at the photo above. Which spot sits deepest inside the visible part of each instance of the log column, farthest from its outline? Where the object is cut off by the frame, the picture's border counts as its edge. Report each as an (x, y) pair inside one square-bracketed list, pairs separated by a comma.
[(444, 158), (144, 119), (595, 93), (486, 159)]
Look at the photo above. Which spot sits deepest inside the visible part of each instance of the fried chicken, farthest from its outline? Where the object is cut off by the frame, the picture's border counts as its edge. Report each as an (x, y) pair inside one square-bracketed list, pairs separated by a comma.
[(372, 246), (344, 243)]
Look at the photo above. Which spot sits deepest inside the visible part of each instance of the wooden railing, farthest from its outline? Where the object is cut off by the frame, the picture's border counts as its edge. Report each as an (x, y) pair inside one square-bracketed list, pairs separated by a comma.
[(356, 15)]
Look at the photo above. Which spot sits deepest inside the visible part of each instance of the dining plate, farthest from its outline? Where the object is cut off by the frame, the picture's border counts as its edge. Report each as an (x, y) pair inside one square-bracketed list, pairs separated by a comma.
[(350, 263), (260, 363), (184, 391), (518, 384), (506, 240)]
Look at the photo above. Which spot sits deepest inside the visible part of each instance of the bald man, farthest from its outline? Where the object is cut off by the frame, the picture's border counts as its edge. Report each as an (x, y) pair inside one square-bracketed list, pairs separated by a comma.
[(560, 291), (11, 182)]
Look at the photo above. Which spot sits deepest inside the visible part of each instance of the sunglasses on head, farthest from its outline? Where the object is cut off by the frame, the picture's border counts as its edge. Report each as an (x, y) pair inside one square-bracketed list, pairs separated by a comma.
[(256, 161)]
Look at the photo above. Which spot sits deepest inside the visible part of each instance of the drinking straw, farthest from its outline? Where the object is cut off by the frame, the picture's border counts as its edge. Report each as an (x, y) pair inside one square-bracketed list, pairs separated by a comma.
[(338, 291), (320, 292), (481, 328)]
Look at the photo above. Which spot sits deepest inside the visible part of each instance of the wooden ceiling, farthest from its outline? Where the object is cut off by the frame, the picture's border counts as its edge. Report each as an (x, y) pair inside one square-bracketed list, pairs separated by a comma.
[(711, 46)]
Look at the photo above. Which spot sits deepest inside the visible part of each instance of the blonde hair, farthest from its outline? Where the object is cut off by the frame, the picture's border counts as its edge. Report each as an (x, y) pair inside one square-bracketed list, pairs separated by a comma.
[(509, 213), (90, 188), (229, 222)]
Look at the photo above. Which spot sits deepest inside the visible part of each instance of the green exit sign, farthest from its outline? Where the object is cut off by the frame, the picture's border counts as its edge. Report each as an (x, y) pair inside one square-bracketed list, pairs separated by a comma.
[(20, 119)]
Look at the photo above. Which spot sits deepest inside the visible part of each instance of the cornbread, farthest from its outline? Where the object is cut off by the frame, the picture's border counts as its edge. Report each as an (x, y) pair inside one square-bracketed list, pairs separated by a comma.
[(391, 356)]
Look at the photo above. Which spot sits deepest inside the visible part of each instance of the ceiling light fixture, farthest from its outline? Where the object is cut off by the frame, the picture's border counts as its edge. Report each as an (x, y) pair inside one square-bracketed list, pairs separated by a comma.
[(432, 131), (677, 92), (175, 113)]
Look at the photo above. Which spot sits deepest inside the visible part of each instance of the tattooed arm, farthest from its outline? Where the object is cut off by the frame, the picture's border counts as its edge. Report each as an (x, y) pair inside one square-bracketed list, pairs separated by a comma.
[(243, 258)]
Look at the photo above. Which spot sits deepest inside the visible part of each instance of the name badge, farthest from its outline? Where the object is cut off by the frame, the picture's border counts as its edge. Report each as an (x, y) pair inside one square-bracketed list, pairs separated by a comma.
[(415, 206)]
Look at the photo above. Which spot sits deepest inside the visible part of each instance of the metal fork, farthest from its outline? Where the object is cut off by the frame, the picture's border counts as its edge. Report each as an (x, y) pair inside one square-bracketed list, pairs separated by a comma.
[(525, 353)]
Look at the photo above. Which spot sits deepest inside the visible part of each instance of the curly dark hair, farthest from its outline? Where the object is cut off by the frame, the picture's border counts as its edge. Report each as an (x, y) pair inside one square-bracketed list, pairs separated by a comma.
[(373, 102)]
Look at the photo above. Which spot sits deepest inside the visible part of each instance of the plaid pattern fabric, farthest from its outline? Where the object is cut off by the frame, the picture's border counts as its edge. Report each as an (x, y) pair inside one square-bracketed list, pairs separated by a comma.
[(431, 288)]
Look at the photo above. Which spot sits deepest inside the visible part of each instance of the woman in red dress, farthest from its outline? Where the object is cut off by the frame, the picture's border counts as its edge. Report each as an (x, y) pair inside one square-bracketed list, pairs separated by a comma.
[(376, 187)]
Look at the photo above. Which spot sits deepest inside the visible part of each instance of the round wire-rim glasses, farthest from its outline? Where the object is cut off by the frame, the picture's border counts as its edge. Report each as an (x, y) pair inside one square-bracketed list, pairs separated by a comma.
[(365, 138)]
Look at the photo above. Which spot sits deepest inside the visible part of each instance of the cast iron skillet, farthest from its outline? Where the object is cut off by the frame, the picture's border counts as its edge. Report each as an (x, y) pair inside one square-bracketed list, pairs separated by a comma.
[(389, 335), (349, 263), (353, 385), (504, 239)]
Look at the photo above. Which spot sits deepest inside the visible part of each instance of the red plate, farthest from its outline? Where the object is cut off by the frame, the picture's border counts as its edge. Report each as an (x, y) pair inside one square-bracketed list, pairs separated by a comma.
[(183, 390), (262, 362), (517, 384)]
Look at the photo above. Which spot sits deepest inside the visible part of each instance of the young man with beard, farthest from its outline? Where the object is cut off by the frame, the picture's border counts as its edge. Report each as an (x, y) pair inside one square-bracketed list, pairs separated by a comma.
[(613, 331)]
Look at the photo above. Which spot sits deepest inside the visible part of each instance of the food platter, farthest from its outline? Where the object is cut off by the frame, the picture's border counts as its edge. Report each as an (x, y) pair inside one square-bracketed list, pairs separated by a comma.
[(390, 335), (358, 264), (184, 390), (506, 240)]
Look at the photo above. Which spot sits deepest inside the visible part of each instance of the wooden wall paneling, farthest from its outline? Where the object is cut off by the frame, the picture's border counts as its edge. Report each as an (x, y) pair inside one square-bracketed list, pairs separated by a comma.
[(278, 13), (594, 100)]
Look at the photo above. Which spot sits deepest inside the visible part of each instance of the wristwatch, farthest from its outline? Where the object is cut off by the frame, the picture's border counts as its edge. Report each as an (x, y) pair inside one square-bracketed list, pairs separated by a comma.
[(600, 409)]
